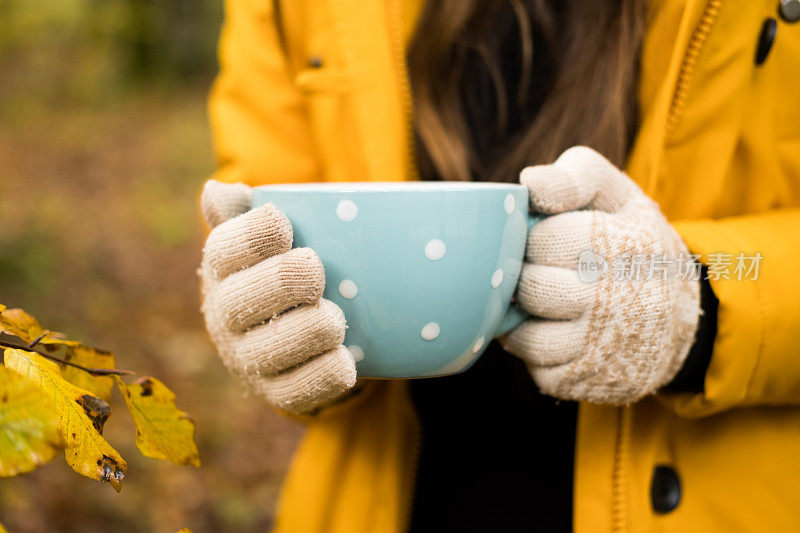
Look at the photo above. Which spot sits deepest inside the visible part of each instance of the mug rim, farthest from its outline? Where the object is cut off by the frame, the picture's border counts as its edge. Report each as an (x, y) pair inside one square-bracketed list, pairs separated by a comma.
[(393, 186)]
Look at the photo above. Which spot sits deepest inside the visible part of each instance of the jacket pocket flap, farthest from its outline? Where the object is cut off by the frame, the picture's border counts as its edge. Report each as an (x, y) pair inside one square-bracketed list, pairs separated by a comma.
[(311, 80)]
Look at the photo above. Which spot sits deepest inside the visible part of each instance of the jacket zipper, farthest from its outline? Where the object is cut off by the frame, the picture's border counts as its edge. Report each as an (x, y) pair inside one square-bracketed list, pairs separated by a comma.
[(688, 67), (619, 511), (689, 63), (394, 17), (399, 56)]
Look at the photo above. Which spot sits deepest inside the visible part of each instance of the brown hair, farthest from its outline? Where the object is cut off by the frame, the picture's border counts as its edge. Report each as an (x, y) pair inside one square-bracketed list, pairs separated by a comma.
[(590, 97)]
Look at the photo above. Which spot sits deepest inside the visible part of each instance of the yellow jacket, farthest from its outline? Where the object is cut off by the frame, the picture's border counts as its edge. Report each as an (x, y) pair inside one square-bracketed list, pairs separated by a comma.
[(323, 95)]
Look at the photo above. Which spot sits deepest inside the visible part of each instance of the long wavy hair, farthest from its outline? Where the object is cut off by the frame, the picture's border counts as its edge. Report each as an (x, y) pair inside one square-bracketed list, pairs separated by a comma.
[(591, 49)]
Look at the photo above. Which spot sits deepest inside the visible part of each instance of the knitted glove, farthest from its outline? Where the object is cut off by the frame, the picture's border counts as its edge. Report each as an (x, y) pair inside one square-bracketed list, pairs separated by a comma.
[(595, 335), (263, 306)]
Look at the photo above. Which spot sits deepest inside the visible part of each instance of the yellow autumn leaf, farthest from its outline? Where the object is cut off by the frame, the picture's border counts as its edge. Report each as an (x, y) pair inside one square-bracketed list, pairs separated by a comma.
[(81, 418), (27, 328), (87, 357), (19, 323), (162, 430), (29, 434), (23, 325)]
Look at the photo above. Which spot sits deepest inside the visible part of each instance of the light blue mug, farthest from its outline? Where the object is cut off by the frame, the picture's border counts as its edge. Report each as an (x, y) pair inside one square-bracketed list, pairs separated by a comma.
[(424, 271)]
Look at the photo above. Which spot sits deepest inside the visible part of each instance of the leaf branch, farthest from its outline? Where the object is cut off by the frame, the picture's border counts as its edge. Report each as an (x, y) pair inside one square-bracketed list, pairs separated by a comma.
[(8, 340), (35, 341)]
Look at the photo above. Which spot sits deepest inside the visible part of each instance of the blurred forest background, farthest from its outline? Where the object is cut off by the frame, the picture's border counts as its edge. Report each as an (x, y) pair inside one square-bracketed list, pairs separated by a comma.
[(104, 145)]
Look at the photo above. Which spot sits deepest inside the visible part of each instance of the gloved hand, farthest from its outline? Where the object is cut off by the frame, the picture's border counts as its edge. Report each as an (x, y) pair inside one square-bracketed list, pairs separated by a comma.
[(263, 305), (608, 341)]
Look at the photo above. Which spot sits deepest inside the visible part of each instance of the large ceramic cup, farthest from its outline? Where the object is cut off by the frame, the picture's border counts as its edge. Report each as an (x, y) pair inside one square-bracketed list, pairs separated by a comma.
[(424, 271)]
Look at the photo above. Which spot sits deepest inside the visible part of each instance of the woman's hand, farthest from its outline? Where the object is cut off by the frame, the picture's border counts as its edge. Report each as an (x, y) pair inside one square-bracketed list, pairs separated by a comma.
[(263, 305), (596, 336)]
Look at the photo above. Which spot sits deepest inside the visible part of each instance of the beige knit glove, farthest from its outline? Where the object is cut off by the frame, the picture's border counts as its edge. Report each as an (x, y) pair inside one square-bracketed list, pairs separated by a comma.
[(600, 334), (263, 306)]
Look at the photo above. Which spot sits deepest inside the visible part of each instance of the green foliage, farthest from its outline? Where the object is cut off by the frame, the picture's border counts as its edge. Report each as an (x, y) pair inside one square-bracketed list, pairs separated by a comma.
[(96, 50), (28, 258)]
